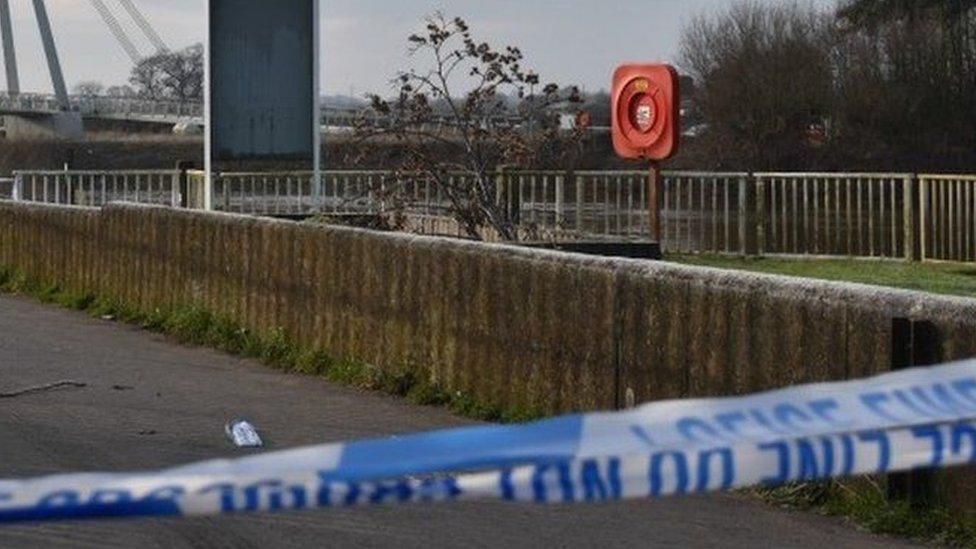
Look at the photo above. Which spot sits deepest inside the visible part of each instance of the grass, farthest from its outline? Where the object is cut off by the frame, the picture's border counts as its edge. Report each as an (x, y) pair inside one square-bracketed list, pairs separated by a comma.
[(864, 503), (940, 278), (196, 326)]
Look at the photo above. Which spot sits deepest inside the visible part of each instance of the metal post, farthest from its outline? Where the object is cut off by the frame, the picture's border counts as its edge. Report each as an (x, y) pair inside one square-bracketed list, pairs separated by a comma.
[(743, 216), (908, 192), (316, 111), (915, 344), (559, 202), (51, 51), (923, 219), (580, 200), (18, 190), (760, 216), (654, 203), (9, 51), (207, 187)]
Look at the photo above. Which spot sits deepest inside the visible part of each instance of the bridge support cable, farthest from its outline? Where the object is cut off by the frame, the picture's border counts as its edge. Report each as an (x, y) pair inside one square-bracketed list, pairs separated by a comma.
[(9, 53), (143, 23), (51, 51), (116, 29)]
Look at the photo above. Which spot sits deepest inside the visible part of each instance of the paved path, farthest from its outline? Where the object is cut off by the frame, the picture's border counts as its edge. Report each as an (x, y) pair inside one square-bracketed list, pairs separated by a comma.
[(150, 403)]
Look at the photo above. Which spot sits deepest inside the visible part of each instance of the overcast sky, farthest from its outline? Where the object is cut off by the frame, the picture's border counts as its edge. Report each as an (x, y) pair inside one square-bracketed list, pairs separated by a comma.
[(570, 41)]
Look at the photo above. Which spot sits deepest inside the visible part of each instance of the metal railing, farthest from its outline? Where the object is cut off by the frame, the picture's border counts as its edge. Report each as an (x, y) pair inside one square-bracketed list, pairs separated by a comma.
[(852, 214), (97, 188), (102, 106), (947, 217), (894, 216)]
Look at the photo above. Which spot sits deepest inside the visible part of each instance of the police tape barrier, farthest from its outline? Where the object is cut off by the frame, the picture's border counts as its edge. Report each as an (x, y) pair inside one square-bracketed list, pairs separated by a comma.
[(913, 419)]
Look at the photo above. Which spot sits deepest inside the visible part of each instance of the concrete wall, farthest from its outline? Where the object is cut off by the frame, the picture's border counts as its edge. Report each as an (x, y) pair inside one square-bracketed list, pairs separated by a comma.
[(508, 326), (62, 125)]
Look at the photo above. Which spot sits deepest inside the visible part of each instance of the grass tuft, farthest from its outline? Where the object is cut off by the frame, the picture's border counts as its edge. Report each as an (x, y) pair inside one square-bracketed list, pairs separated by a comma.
[(864, 502)]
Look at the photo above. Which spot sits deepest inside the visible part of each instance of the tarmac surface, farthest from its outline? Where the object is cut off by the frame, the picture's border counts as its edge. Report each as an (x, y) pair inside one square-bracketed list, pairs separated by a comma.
[(151, 403)]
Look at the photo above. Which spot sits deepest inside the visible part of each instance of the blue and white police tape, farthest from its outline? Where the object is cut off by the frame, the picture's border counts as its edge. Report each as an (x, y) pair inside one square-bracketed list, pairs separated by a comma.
[(913, 419)]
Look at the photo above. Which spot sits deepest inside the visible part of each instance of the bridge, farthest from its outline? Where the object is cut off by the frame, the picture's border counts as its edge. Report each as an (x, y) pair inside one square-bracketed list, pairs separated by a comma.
[(188, 114), (137, 109)]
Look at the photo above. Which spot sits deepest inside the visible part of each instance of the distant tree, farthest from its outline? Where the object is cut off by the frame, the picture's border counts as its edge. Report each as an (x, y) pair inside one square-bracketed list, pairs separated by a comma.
[(763, 76), (471, 110), (597, 105), (88, 88), (874, 12), (174, 75), (907, 78), (121, 91)]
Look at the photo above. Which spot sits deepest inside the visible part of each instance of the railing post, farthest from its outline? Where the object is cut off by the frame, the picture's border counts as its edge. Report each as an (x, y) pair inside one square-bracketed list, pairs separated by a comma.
[(580, 198), (181, 184), (560, 181), (743, 214), (923, 219), (18, 190), (208, 180), (760, 185), (909, 216)]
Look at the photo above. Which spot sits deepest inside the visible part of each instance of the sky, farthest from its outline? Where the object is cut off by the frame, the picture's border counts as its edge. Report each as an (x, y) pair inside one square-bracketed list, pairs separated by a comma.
[(364, 41)]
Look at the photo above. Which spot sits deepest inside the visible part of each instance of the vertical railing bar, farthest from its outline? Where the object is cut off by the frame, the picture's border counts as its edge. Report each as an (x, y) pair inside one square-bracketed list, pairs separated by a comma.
[(689, 218), (678, 213), (666, 214), (806, 216), (957, 220), (714, 217), (700, 212), (773, 213), (816, 215), (726, 186), (970, 253), (630, 207), (893, 185), (871, 233), (882, 226), (839, 229), (830, 183)]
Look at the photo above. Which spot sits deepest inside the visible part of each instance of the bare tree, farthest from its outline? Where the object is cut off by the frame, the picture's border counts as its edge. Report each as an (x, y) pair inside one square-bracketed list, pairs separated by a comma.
[(884, 85), (121, 91), (88, 88), (764, 77), (170, 75), (473, 109)]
